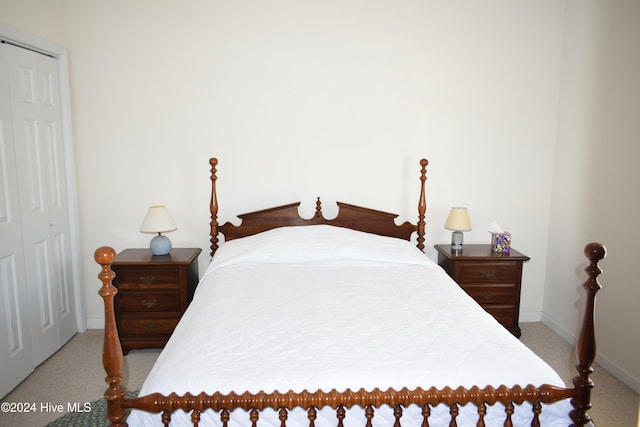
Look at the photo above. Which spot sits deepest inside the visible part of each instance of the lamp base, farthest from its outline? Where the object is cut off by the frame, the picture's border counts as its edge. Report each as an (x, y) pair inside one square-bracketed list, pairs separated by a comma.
[(456, 240), (160, 245)]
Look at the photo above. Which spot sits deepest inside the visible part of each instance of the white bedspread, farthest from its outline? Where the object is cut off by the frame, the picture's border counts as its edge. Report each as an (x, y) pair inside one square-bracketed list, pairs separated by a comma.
[(326, 309)]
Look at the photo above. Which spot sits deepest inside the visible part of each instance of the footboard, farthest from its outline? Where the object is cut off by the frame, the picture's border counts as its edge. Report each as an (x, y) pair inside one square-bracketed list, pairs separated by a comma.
[(481, 398), (341, 401)]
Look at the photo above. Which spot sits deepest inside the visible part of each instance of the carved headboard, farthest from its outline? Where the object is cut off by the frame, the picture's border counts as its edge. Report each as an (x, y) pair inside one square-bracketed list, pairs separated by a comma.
[(349, 216)]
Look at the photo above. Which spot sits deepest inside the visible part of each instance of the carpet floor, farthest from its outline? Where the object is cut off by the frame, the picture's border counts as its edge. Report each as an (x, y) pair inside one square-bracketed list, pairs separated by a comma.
[(73, 379)]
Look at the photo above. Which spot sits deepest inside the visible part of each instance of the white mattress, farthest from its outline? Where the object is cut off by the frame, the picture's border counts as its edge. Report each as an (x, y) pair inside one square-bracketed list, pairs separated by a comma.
[(321, 308)]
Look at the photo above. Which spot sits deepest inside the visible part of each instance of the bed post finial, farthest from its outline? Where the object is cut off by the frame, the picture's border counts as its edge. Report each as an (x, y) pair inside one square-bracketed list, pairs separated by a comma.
[(318, 213), (586, 345), (111, 350), (213, 207), (422, 204)]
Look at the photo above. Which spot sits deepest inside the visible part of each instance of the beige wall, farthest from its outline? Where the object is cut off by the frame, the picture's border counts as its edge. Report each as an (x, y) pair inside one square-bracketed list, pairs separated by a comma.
[(293, 99), (595, 185), (41, 18)]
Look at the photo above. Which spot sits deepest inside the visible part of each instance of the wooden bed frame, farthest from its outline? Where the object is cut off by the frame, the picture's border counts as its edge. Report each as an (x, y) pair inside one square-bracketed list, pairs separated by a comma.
[(367, 220)]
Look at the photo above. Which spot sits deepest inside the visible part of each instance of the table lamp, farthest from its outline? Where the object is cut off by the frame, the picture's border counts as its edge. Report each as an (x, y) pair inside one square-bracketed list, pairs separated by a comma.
[(458, 221), (158, 221)]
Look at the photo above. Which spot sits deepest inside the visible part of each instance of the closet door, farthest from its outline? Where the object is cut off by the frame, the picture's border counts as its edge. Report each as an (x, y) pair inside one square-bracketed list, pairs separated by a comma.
[(57, 203), (16, 354), (38, 144)]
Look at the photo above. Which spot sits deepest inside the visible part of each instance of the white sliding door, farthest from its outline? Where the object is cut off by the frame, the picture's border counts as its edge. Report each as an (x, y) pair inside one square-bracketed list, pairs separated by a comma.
[(36, 150)]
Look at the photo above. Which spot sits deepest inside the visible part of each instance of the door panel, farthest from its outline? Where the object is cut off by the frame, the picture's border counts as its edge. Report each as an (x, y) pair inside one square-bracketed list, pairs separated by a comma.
[(16, 353), (57, 199), (31, 158)]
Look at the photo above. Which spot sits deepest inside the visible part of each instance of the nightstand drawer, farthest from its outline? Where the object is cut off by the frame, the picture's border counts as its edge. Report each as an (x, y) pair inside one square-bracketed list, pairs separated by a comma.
[(502, 313), (133, 301), (144, 278), (147, 326), (491, 294), (483, 272)]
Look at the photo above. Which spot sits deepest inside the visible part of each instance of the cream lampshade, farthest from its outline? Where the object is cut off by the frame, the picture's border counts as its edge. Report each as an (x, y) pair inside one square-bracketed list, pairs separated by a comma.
[(158, 221), (458, 221)]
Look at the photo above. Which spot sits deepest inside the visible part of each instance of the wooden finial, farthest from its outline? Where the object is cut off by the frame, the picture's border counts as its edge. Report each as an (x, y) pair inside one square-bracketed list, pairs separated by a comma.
[(595, 252), (104, 255), (318, 213)]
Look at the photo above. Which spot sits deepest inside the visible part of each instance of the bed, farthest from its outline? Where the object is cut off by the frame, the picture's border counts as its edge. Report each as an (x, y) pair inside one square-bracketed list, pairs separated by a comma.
[(340, 322)]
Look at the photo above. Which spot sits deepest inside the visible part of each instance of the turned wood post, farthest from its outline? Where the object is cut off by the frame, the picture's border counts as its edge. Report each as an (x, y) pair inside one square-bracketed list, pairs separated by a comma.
[(586, 346), (213, 207), (422, 204), (111, 351), (318, 213)]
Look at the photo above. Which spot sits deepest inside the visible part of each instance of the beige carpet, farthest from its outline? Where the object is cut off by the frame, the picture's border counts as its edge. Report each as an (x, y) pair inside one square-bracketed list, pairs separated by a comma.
[(75, 374)]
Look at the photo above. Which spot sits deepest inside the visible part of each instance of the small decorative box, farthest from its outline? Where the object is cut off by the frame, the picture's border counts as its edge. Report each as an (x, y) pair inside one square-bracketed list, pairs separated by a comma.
[(500, 243)]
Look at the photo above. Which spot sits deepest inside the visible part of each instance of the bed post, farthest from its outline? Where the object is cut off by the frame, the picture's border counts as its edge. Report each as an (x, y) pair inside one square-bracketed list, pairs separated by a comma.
[(112, 350), (586, 346), (422, 204), (213, 207)]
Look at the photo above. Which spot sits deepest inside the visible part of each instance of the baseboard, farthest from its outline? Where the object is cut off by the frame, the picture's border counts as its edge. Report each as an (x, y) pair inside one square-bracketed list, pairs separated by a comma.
[(616, 371), (555, 327), (531, 317), (95, 323), (601, 358)]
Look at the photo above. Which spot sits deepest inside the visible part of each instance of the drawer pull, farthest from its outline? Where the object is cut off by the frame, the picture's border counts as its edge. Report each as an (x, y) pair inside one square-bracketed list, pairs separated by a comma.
[(150, 303), (150, 325), (486, 296), (488, 274), (147, 280)]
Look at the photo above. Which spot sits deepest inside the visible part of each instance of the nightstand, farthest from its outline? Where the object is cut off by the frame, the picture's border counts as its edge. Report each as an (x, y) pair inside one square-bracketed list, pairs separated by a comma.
[(153, 293), (492, 279)]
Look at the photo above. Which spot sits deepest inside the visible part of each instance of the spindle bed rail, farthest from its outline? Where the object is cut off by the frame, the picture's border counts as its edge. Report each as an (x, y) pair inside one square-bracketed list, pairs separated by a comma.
[(362, 219)]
